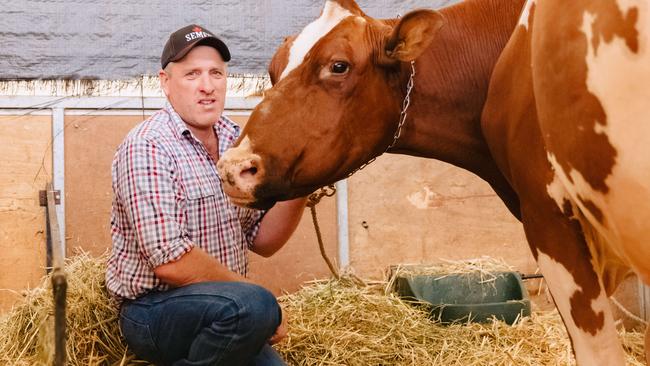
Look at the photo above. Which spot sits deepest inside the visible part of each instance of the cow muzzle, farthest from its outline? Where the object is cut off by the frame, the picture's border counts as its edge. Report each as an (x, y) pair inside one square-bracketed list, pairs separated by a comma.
[(240, 173)]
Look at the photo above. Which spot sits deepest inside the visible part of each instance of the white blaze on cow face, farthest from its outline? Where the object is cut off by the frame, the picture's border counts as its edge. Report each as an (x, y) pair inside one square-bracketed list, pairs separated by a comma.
[(602, 348), (332, 15), (619, 78), (525, 14)]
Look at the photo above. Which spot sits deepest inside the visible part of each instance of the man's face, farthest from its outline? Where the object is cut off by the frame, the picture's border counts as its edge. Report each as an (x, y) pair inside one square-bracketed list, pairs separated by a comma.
[(196, 86)]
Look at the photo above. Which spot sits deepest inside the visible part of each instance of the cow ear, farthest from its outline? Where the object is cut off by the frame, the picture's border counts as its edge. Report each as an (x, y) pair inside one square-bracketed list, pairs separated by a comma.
[(411, 36)]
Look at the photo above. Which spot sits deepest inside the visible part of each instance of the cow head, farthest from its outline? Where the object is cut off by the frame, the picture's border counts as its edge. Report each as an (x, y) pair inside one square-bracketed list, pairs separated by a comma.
[(335, 103)]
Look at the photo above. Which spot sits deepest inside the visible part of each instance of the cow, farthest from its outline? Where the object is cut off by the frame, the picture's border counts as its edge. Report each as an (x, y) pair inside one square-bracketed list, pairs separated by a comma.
[(545, 100)]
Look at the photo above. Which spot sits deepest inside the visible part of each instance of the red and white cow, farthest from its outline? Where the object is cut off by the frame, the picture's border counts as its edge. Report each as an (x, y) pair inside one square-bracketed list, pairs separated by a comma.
[(546, 101)]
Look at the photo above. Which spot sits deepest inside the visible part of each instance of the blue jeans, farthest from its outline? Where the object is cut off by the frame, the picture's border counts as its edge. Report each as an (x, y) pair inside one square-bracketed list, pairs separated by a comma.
[(212, 323)]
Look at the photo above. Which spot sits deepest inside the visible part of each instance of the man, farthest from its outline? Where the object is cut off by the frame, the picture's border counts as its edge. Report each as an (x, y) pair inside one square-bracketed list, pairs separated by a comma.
[(179, 259)]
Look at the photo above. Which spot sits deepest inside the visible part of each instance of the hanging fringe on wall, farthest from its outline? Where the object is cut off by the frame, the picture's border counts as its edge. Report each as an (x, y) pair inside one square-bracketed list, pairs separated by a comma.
[(242, 85)]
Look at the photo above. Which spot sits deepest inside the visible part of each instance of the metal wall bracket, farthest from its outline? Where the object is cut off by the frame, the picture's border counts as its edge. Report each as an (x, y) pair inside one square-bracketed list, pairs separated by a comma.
[(42, 198)]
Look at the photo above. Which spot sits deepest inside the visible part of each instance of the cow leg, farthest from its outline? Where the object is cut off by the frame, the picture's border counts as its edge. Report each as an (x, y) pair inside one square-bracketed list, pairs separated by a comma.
[(565, 261), (597, 343)]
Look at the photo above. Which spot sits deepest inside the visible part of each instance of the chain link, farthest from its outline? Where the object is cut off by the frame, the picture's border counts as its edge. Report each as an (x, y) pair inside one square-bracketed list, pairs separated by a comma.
[(405, 106), (402, 119)]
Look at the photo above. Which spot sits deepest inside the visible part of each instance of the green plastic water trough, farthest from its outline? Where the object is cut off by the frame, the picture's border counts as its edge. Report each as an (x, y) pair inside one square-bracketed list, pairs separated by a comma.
[(471, 297)]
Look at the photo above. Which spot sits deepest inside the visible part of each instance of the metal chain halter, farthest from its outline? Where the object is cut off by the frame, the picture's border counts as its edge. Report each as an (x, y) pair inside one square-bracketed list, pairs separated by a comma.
[(329, 191), (402, 118)]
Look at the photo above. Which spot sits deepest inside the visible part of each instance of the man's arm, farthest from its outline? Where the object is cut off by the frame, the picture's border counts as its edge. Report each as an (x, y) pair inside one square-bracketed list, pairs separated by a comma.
[(277, 226), (195, 266)]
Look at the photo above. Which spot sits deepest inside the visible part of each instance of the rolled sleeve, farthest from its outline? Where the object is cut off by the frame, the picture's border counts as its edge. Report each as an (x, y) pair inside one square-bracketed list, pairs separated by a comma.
[(147, 188), (250, 220), (174, 251)]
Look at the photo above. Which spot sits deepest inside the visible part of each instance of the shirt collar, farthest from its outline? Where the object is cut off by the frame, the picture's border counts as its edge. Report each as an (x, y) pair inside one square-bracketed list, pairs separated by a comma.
[(179, 126), (227, 131)]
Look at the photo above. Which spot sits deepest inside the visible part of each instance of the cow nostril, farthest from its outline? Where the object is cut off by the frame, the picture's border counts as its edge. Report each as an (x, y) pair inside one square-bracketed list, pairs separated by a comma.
[(247, 173)]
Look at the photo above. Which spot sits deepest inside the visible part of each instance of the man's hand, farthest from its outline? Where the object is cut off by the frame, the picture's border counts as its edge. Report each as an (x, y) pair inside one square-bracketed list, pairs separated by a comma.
[(281, 331)]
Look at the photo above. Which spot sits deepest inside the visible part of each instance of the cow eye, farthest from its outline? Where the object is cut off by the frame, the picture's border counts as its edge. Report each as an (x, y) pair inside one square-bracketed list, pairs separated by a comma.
[(339, 67)]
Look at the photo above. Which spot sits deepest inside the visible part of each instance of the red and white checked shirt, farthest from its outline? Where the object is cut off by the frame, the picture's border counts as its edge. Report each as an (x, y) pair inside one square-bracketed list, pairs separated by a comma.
[(167, 198)]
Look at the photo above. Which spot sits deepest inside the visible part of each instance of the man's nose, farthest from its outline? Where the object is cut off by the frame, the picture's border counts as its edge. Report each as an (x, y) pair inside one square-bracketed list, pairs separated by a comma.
[(206, 84)]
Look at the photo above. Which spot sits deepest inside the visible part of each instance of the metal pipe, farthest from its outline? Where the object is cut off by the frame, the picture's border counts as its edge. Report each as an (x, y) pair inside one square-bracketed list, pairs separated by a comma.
[(531, 276), (58, 166), (644, 300), (343, 234)]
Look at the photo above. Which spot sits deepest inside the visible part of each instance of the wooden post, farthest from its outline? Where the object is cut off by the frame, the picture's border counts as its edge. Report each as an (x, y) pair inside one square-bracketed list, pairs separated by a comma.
[(59, 282)]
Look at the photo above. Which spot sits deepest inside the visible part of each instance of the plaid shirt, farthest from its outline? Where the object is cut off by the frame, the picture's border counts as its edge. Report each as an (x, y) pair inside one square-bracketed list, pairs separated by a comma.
[(167, 198)]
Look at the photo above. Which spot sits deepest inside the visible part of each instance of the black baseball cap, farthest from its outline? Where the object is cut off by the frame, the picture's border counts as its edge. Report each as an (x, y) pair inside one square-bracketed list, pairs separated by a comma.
[(188, 37)]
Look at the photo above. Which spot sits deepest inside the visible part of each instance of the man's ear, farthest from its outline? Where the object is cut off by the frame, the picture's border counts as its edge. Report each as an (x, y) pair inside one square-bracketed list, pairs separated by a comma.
[(411, 36), (164, 80)]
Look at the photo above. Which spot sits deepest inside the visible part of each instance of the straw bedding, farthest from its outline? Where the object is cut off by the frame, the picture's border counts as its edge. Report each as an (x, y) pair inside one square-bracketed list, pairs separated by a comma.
[(331, 323), (27, 331)]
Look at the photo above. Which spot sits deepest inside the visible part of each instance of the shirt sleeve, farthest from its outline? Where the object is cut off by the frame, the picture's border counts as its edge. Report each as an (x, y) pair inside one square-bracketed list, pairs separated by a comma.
[(250, 220), (145, 185)]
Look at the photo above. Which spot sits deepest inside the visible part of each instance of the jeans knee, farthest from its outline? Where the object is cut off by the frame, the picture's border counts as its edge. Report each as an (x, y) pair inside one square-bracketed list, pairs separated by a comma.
[(261, 310)]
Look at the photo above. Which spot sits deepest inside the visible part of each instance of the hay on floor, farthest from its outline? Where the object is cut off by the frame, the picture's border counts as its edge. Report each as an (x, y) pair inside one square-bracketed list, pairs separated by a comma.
[(338, 323), (487, 268), (331, 323), (94, 338)]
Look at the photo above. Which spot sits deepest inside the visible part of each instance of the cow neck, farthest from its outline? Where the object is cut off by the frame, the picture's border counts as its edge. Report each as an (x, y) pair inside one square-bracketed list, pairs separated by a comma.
[(406, 102), (444, 120)]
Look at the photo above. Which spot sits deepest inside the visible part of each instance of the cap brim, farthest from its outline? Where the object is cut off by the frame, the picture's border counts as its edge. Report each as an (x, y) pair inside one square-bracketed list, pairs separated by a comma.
[(213, 42)]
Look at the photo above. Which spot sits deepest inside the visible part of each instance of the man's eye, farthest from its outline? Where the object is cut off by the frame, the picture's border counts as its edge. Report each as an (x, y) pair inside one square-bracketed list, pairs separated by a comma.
[(340, 67)]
